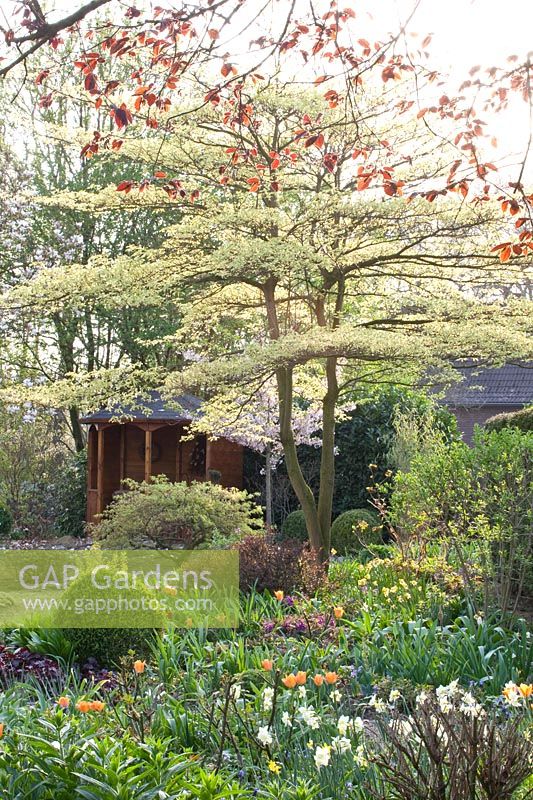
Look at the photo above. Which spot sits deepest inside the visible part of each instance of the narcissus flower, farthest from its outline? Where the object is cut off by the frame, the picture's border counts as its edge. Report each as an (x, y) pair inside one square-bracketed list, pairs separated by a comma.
[(267, 664), (84, 706), (289, 681), (139, 666), (511, 693), (322, 756), (279, 595), (63, 702), (318, 680), (338, 611), (301, 678), (331, 677), (273, 767), (264, 736)]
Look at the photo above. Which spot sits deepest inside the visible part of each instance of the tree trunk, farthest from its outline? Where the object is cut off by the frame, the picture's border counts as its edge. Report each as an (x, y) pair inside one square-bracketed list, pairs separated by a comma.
[(284, 377), (327, 459), (296, 477), (77, 433), (268, 486)]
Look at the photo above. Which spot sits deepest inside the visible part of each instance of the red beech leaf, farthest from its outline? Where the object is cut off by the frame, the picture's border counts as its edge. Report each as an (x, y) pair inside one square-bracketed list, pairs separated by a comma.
[(42, 76), (125, 186)]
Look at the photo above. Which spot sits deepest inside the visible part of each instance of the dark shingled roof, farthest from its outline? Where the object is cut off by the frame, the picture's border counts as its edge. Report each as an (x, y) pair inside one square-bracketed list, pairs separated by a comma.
[(510, 385), (151, 407)]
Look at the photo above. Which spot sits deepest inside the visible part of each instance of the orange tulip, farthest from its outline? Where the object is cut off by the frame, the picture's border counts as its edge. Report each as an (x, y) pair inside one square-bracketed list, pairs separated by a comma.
[(1, 729), (139, 666), (318, 680), (267, 664), (83, 706), (63, 702), (289, 681), (338, 611), (301, 678), (97, 705), (279, 595), (526, 689), (331, 677)]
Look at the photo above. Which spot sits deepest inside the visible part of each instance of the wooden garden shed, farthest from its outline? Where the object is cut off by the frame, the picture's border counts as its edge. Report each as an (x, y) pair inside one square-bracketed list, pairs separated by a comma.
[(152, 438)]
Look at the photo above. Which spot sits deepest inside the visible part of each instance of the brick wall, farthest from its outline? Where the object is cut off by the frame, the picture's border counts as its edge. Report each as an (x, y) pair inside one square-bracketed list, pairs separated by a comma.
[(467, 418)]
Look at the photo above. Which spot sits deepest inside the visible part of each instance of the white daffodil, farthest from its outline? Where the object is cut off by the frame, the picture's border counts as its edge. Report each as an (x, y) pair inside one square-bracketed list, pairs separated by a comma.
[(402, 727), (235, 691), (268, 695), (342, 724), (377, 704), (358, 725), (309, 716), (360, 757), (322, 756), (470, 706), (340, 744), (264, 736), (286, 719), (422, 698)]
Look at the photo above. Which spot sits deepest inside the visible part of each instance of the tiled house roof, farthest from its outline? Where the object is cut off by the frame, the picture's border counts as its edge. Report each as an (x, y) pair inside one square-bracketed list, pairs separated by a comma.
[(152, 407), (510, 385)]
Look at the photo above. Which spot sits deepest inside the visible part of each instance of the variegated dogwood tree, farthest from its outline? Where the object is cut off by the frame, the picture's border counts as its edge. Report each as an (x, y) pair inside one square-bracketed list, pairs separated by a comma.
[(292, 261)]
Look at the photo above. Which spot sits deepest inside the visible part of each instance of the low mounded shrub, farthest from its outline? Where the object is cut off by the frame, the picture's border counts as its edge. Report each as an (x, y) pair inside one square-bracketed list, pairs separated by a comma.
[(354, 530), (523, 420), (164, 515), (294, 527), (106, 646), (289, 565)]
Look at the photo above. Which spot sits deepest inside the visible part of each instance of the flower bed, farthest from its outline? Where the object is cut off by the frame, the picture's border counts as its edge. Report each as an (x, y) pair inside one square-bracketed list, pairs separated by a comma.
[(342, 695)]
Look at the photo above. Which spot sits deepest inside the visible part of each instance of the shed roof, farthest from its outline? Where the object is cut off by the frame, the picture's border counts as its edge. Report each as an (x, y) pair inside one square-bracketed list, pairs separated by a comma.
[(509, 385), (151, 407)]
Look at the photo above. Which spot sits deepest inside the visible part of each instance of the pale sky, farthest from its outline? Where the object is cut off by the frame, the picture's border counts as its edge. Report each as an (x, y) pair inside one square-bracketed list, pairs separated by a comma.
[(465, 33)]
